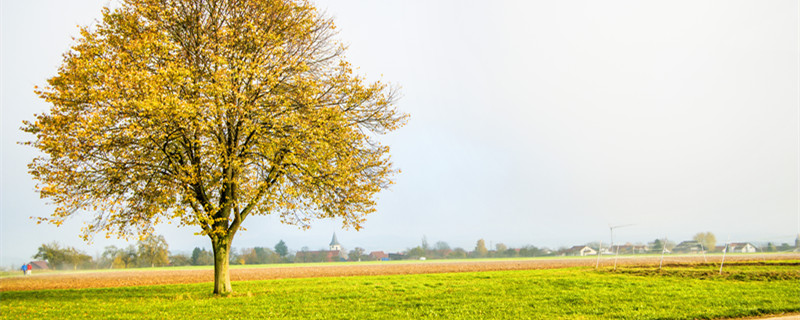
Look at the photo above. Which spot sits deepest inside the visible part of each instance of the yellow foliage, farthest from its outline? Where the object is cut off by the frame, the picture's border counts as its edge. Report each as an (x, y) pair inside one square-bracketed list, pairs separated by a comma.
[(207, 112)]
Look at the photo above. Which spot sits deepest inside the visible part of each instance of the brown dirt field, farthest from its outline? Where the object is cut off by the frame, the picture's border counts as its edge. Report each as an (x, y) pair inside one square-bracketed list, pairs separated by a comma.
[(143, 277)]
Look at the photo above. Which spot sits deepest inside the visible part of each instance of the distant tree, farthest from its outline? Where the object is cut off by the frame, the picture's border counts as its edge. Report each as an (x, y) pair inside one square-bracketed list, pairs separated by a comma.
[(500, 248), (356, 254), (785, 247), (562, 251), (480, 249), (771, 247), (442, 249), (128, 256), (416, 252), (77, 258), (257, 255), (57, 256), (153, 251), (109, 255), (237, 256), (457, 253), (195, 256), (281, 249), (510, 253), (51, 252), (657, 246), (201, 257), (266, 255), (707, 239), (530, 251), (179, 259), (425, 245)]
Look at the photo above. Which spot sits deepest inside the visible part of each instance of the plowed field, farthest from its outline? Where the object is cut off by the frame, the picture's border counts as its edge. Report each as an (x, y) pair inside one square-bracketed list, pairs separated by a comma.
[(142, 277)]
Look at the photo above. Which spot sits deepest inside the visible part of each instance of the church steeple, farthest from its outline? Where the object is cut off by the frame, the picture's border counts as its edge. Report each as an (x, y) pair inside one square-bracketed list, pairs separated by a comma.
[(335, 246)]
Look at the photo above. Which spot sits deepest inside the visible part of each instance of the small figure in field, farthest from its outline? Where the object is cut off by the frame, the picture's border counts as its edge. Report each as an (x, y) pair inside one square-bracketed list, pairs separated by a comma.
[(28, 272), (24, 269)]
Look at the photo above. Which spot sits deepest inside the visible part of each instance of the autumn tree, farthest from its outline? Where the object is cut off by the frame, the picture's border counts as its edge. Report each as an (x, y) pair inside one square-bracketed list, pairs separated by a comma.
[(153, 251), (480, 248), (207, 112), (707, 239)]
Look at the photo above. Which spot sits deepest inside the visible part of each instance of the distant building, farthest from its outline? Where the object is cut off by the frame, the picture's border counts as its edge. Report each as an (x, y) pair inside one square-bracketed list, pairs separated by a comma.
[(335, 246), (334, 254), (397, 256), (688, 247), (379, 255), (40, 265), (581, 251), (741, 247)]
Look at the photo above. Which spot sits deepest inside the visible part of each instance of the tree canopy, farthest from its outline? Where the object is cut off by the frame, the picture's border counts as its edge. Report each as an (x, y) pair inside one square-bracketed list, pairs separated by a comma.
[(707, 239), (207, 112), (154, 251)]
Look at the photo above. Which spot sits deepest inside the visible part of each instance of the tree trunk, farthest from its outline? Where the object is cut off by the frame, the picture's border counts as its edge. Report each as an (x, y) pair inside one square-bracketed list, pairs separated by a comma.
[(222, 279)]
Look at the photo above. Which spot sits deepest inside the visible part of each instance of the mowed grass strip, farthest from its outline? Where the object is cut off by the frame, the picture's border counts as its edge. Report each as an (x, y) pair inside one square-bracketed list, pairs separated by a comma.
[(684, 292)]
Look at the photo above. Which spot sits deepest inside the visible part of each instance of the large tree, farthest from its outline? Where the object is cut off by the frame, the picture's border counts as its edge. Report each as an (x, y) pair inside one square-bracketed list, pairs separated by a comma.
[(208, 112)]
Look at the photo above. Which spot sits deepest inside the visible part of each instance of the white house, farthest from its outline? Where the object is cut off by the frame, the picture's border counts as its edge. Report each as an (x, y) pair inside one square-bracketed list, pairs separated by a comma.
[(741, 247), (581, 251)]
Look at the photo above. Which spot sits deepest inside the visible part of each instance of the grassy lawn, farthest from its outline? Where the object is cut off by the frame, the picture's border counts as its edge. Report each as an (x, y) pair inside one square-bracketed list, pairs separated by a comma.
[(691, 292)]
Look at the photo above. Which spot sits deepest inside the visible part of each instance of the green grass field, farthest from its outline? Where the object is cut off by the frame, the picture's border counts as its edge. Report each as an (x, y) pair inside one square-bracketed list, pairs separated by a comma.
[(689, 292)]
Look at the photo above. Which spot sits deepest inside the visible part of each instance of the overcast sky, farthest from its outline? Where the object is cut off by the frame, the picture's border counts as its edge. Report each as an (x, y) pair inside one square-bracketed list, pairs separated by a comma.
[(532, 122)]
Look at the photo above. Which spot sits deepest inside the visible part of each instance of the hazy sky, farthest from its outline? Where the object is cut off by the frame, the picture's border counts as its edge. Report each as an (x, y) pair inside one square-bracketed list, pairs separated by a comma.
[(532, 122)]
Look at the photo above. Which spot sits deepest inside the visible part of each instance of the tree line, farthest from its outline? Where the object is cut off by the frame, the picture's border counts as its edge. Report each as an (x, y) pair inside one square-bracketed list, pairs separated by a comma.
[(148, 252), (442, 250), (154, 252)]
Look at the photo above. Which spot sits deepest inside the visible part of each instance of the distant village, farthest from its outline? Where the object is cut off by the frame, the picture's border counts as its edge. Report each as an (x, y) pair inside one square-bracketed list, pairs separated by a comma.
[(442, 251), (154, 252)]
